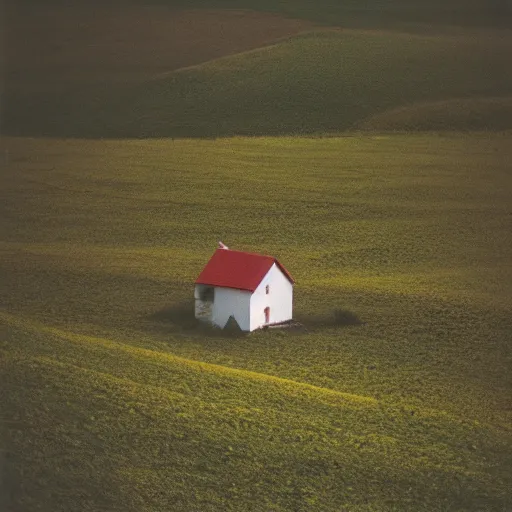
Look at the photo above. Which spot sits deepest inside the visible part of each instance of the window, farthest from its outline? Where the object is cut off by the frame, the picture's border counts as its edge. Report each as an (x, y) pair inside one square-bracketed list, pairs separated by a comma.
[(207, 294), (266, 312), (267, 289)]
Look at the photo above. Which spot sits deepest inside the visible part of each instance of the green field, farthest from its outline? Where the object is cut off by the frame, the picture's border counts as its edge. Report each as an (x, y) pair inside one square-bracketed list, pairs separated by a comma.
[(112, 397)]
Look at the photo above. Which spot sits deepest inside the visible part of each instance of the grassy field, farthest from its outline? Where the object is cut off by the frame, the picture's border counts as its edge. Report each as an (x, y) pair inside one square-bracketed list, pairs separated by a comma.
[(395, 396), (113, 399)]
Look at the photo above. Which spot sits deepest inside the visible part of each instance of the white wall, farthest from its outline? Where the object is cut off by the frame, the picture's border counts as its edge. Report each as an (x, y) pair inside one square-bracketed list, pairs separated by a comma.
[(229, 301), (279, 299)]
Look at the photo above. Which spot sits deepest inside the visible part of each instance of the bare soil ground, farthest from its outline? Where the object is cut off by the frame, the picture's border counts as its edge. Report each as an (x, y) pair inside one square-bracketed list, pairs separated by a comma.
[(67, 46)]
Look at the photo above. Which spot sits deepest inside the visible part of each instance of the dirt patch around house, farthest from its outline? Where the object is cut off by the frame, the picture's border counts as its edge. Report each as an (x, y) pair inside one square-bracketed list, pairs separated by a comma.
[(50, 47)]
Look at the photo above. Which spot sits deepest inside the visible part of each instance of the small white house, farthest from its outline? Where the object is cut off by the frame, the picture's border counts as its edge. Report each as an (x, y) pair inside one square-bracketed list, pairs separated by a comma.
[(255, 290)]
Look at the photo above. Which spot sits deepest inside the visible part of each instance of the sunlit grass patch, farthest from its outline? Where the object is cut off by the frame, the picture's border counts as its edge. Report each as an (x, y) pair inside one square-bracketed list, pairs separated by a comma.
[(155, 422)]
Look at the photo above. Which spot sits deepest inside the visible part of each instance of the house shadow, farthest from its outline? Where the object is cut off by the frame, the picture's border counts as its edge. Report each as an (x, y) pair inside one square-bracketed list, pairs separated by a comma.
[(336, 318), (180, 317)]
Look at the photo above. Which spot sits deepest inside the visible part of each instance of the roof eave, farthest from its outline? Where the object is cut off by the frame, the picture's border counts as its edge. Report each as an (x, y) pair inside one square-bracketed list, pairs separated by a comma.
[(285, 272), (230, 287)]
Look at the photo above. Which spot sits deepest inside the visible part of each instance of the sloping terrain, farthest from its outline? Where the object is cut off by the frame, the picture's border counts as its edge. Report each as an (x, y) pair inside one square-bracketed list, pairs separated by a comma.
[(456, 114), (48, 47), (322, 81), (58, 60), (142, 430), (112, 397)]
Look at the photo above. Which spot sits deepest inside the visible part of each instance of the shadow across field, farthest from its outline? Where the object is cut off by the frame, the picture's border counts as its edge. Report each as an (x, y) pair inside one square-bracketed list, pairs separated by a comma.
[(336, 318), (180, 318)]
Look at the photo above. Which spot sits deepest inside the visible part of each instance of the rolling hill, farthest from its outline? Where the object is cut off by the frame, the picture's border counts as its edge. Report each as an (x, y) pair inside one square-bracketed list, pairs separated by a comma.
[(128, 76), (328, 81)]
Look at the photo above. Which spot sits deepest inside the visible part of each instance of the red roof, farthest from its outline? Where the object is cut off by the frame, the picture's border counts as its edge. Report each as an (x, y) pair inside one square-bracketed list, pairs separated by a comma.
[(237, 269)]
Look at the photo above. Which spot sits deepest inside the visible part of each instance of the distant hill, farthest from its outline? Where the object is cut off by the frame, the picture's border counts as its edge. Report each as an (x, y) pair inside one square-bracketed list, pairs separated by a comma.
[(456, 114), (350, 12), (87, 71), (323, 81), (380, 12)]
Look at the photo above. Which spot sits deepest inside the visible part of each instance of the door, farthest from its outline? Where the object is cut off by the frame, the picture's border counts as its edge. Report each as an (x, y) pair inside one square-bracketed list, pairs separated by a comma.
[(267, 315)]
